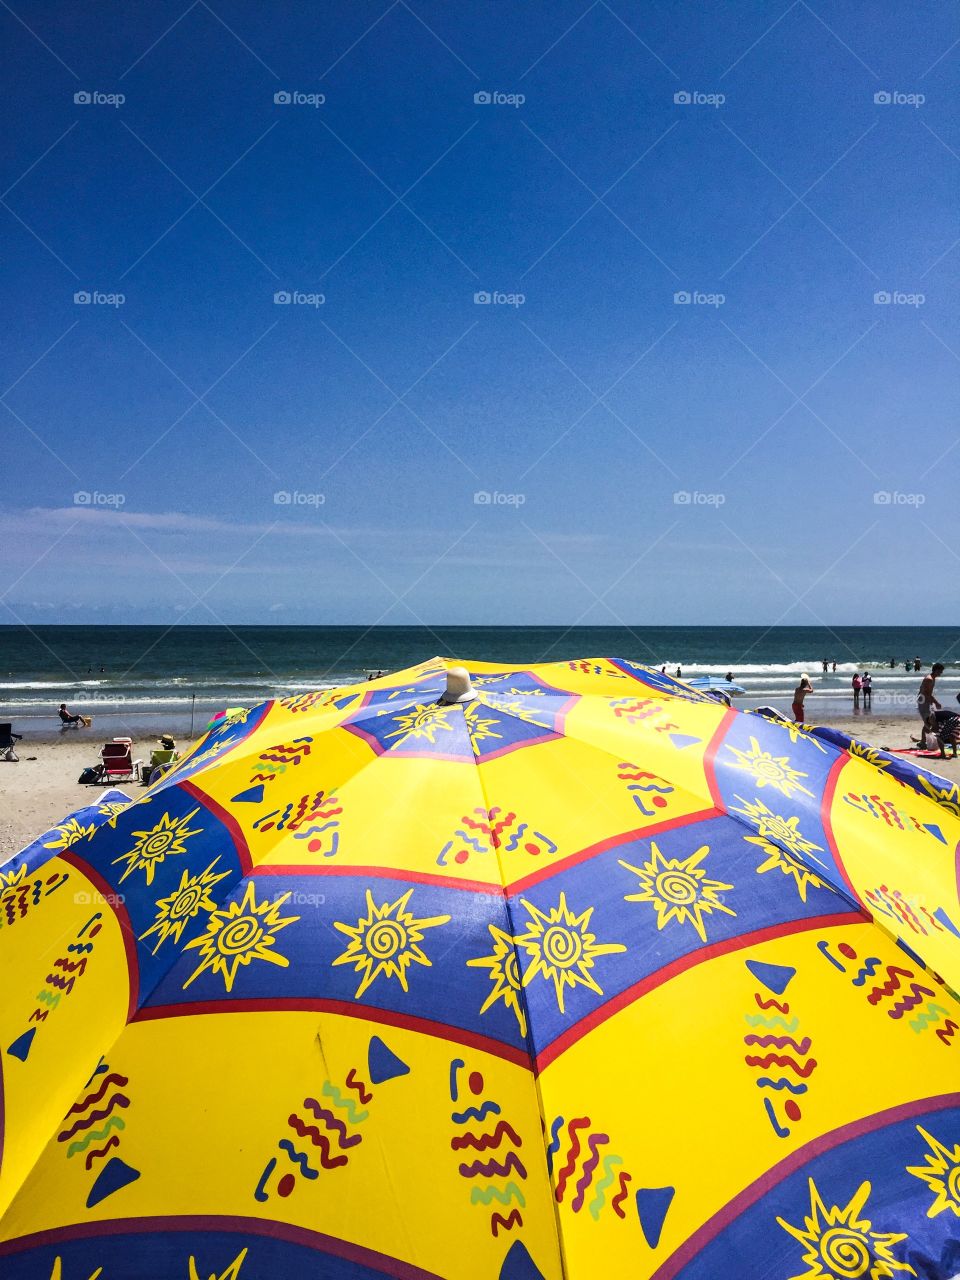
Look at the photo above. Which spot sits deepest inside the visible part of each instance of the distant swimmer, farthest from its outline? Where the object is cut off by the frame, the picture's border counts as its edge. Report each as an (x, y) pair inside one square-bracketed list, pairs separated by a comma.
[(824, 664), (679, 673), (729, 677), (799, 693), (834, 666), (916, 664)]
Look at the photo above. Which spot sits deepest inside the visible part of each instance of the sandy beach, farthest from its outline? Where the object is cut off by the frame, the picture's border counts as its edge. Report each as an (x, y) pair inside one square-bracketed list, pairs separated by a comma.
[(42, 788)]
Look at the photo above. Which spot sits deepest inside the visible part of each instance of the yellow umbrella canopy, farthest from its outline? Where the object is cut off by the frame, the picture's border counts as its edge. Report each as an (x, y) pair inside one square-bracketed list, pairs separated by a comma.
[(559, 971)]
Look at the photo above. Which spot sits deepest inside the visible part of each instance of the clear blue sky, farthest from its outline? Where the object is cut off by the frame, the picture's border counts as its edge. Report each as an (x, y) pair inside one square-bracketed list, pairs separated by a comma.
[(598, 198)]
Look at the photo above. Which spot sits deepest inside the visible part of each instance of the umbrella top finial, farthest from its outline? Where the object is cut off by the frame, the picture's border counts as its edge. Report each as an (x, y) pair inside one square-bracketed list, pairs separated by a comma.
[(459, 688)]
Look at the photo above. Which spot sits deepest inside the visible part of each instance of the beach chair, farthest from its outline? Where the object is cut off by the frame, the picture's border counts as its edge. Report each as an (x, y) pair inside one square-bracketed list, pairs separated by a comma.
[(117, 760), (160, 761), (8, 741)]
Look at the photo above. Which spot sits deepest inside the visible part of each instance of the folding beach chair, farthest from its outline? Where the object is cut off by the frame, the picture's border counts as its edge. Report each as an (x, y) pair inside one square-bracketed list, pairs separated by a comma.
[(117, 760), (8, 741), (160, 761)]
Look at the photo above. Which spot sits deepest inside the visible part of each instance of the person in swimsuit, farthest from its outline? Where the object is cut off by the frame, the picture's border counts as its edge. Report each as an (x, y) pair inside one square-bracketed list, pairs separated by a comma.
[(799, 693), (926, 698)]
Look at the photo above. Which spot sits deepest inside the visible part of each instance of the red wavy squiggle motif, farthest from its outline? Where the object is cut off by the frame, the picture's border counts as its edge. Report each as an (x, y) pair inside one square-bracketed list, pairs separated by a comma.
[(946, 1033), (344, 1139), (617, 1202), (498, 1221), (91, 1098), (354, 1082), (771, 1004), (319, 1140), (782, 1061), (486, 1141), (70, 966), (60, 984), (118, 1100), (494, 1168), (112, 1141), (894, 973), (579, 1122), (905, 1003), (780, 1042), (594, 1142)]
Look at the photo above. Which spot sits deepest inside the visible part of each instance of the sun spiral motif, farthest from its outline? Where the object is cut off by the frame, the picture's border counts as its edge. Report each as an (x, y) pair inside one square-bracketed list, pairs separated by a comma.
[(386, 940), (166, 839), (839, 1244), (238, 936), (239, 933), (187, 903), (676, 886), (941, 1173), (562, 947), (558, 945), (845, 1252), (679, 889), (504, 972), (783, 844), (68, 833), (177, 909), (769, 770)]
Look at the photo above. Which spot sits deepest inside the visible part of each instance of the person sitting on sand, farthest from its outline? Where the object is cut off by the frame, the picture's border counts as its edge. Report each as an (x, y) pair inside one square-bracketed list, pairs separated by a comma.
[(67, 718), (926, 699), (928, 740), (947, 726), (799, 693)]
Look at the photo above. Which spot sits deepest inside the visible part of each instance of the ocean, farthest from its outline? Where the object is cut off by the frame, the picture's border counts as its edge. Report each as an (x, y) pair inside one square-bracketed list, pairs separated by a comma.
[(151, 678)]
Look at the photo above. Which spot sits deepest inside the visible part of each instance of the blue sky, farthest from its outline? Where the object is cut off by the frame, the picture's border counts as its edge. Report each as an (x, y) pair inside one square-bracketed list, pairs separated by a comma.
[(144, 441)]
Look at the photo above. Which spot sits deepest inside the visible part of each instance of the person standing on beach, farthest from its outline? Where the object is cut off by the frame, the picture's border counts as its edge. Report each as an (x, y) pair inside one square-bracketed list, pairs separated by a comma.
[(799, 693), (824, 664), (866, 684), (857, 686), (926, 699), (834, 666), (916, 664)]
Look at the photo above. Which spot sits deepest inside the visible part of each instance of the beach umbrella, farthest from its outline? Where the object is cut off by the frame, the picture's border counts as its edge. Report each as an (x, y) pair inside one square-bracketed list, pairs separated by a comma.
[(715, 682), (558, 971), (228, 713)]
